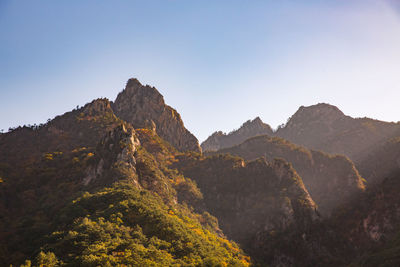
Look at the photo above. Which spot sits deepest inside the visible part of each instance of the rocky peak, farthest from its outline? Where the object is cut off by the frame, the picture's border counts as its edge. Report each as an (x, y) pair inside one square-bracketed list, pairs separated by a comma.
[(257, 122), (134, 89), (320, 112), (144, 107), (250, 128), (313, 125), (254, 126), (324, 127)]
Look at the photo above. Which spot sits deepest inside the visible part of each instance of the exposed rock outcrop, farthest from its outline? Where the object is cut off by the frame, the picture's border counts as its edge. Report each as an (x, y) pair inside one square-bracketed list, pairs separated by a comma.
[(250, 128), (115, 153), (144, 107)]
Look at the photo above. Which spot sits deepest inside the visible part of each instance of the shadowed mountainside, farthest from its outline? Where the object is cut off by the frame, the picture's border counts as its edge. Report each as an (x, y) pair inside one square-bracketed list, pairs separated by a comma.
[(324, 127), (330, 179), (254, 200), (320, 127), (370, 224), (382, 161)]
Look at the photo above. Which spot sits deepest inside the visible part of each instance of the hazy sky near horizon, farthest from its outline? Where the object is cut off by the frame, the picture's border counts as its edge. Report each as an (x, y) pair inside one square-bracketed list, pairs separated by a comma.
[(219, 63)]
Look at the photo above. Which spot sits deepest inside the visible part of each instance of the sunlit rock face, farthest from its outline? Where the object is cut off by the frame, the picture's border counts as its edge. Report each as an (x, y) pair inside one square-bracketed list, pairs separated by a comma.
[(144, 107)]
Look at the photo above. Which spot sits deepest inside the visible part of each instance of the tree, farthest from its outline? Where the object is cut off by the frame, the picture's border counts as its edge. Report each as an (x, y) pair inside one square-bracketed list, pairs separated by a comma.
[(48, 259)]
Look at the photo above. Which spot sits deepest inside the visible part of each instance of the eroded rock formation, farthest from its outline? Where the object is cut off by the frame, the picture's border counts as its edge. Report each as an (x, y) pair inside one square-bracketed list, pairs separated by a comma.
[(144, 107)]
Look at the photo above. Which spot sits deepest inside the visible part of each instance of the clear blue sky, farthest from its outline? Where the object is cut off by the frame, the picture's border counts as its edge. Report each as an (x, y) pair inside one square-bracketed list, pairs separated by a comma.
[(219, 63)]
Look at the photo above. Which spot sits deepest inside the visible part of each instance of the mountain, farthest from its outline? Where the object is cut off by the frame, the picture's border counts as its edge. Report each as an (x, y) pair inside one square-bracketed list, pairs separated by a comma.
[(89, 185), (144, 107), (324, 127), (320, 127), (255, 201), (101, 198), (125, 184), (330, 179), (249, 129)]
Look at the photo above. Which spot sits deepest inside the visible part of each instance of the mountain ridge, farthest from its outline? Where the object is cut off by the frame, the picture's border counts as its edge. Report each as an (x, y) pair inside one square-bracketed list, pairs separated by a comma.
[(330, 179), (324, 127), (90, 188), (248, 129), (320, 127)]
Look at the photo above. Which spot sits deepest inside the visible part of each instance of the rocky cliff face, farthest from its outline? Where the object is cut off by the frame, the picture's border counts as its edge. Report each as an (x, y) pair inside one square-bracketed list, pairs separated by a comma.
[(324, 127), (115, 153), (251, 128), (252, 199), (144, 107), (330, 179)]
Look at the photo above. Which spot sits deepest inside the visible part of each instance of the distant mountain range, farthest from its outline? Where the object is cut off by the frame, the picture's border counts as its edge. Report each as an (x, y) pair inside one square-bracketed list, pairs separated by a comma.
[(124, 183), (320, 127)]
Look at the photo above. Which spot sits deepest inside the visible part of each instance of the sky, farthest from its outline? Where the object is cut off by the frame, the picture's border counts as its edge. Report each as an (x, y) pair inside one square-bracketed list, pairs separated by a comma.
[(218, 63)]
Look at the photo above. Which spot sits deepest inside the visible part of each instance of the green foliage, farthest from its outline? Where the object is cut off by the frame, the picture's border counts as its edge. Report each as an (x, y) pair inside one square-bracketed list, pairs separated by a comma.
[(124, 225), (27, 263), (188, 191), (46, 259), (136, 222)]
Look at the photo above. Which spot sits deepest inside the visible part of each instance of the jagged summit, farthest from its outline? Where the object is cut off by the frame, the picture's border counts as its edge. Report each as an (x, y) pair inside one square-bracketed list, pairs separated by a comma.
[(250, 128), (144, 107), (132, 82), (135, 88), (256, 123)]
